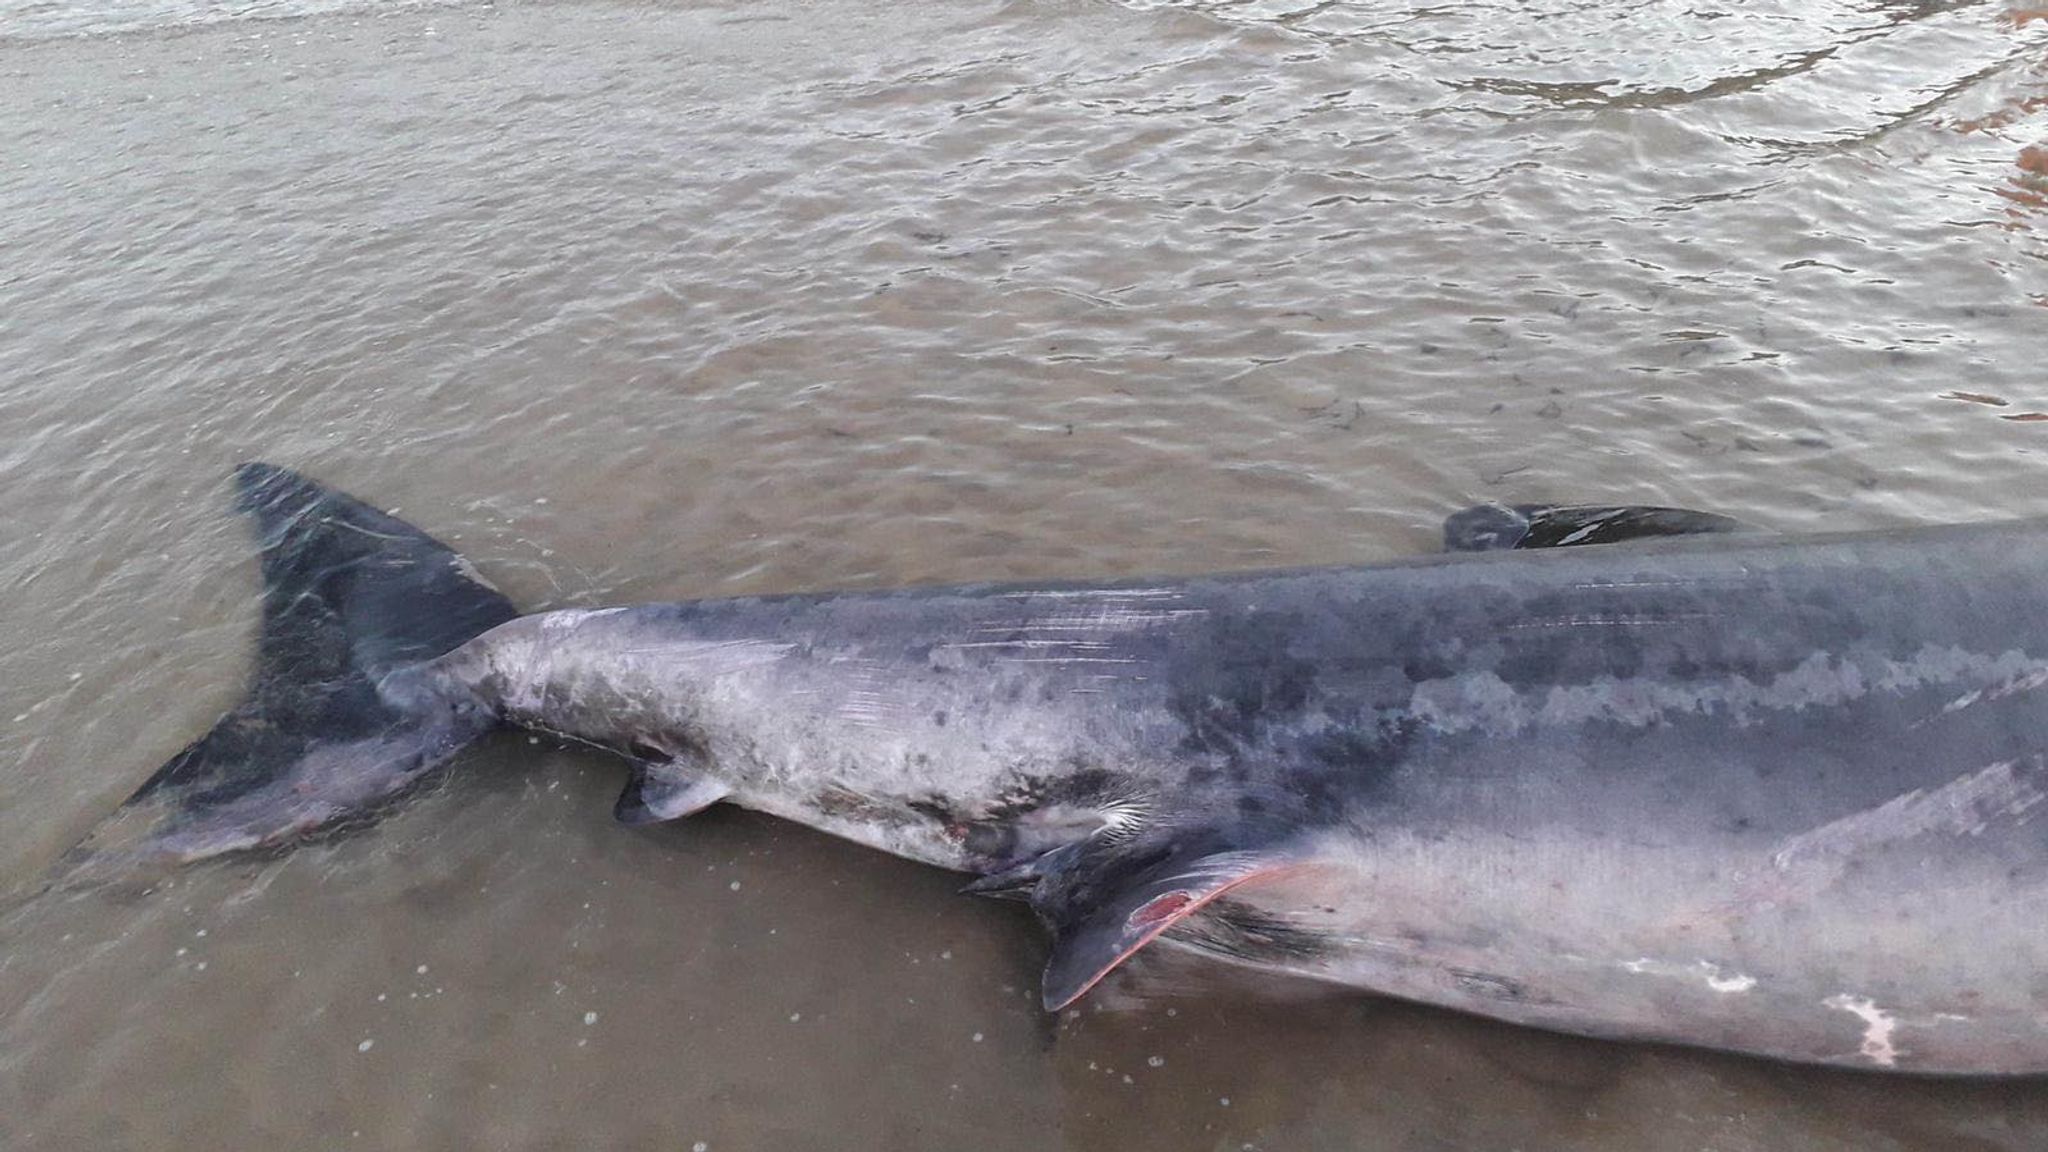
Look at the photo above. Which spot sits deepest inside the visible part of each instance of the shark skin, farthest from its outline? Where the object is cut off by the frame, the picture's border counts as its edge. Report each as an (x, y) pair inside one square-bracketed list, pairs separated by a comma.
[(1769, 795)]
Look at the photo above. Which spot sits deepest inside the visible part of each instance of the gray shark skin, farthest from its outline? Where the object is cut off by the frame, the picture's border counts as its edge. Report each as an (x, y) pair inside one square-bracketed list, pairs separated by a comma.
[(1776, 796)]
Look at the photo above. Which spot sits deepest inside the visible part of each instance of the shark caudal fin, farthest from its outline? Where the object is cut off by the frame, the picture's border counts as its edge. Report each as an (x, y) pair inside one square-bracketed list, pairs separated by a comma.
[(341, 712)]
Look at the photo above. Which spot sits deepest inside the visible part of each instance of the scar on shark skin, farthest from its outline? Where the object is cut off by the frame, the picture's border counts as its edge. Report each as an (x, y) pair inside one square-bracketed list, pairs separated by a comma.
[(1878, 1027), (1706, 970)]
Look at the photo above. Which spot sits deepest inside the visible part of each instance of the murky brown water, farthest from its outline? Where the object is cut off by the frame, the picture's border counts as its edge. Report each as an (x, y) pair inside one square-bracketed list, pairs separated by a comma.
[(638, 302)]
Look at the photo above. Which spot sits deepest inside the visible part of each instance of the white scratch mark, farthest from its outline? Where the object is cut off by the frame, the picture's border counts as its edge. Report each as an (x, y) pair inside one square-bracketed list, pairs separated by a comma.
[(2026, 682), (1072, 660), (1705, 970), (567, 619), (1639, 620), (1731, 983), (716, 657), (1965, 806), (1086, 644), (1878, 1026), (1107, 618), (865, 707), (1604, 584), (1110, 595)]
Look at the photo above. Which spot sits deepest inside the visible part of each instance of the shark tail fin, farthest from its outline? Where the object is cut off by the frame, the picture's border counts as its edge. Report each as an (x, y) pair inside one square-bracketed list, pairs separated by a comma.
[(345, 708)]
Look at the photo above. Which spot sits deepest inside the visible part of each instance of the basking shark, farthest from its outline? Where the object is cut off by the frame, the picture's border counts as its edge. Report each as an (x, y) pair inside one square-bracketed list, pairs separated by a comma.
[(1777, 796)]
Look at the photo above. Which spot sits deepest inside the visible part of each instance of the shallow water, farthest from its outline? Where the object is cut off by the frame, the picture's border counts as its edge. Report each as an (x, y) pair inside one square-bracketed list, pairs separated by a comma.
[(636, 302)]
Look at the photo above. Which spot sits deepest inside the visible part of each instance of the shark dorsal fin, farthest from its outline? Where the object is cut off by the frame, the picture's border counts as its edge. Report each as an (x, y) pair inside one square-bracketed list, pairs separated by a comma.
[(1496, 527)]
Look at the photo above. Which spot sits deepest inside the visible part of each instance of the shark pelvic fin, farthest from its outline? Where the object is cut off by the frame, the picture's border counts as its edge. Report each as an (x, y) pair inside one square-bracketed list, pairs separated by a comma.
[(665, 790)]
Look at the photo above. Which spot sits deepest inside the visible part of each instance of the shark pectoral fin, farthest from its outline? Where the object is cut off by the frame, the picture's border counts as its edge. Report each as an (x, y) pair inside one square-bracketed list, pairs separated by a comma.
[(1496, 527), (666, 791), (1093, 936)]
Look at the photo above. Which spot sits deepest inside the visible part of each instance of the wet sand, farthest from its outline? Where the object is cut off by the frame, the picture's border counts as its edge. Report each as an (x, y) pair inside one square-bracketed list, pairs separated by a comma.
[(634, 302)]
